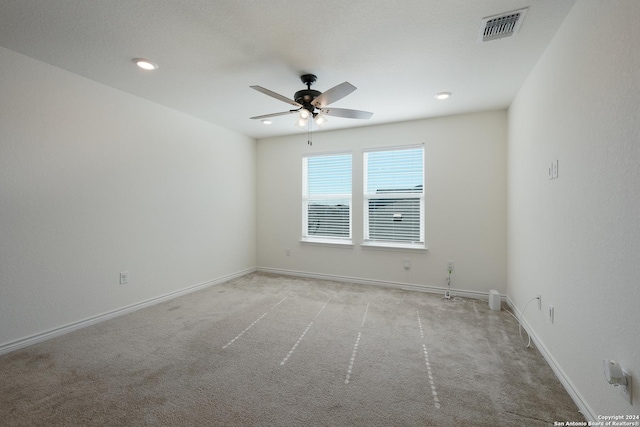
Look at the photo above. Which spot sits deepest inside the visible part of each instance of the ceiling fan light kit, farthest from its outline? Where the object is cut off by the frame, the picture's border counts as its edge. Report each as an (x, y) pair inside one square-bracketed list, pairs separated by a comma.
[(311, 104), (320, 119), (302, 123), (304, 113)]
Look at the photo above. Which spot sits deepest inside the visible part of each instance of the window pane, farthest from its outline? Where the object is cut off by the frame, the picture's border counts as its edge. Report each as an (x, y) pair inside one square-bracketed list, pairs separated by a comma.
[(394, 220), (329, 174), (329, 218), (394, 171)]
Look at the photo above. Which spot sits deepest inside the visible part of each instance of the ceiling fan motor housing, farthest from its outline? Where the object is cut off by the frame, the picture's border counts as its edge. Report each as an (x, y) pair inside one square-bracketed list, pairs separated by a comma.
[(305, 97)]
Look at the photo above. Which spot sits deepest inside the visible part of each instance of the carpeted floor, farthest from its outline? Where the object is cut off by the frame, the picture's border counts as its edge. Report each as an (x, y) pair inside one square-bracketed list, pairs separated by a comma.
[(267, 350)]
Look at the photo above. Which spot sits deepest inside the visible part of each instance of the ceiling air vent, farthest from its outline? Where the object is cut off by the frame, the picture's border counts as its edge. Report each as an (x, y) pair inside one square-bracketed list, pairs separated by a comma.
[(500, 26)]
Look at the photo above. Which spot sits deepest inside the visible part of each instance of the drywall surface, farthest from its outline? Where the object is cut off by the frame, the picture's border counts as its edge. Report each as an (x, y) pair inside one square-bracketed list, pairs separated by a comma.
[(465, 167), (576, 239), (93, 182)]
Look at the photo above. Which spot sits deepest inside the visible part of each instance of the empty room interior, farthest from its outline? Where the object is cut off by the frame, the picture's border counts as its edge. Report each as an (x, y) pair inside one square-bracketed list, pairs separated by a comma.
[(189, 244)]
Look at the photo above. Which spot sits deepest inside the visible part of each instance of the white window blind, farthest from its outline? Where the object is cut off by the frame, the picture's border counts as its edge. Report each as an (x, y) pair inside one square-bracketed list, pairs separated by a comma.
[(394, 196), (326, 197)]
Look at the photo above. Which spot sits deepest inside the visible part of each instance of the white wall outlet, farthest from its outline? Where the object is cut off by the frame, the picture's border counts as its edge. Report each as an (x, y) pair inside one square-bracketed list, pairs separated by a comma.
[(406, 263), (449, 265), (124, 277), (287, 252), (552, 313), (539, 302)]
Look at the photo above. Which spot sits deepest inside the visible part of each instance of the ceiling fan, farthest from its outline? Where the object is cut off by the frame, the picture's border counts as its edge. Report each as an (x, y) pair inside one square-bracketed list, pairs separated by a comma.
[(312, 104)]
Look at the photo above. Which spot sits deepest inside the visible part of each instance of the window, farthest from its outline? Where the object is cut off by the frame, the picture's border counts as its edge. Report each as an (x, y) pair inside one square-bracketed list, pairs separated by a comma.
[(394, 197), (326, 198)]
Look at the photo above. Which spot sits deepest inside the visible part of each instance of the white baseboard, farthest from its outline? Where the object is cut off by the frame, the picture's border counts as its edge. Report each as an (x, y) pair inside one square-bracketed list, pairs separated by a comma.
[(577, 398), (43, 336), (387, 284)]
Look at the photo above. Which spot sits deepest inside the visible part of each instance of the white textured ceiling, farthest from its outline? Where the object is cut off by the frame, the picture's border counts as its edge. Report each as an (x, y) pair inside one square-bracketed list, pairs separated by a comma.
[(397, 53)]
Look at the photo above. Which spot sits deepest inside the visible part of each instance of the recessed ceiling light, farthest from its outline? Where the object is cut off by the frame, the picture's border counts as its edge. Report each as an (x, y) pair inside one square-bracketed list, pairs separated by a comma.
[(145, 64), (442, 95), (266, 121)]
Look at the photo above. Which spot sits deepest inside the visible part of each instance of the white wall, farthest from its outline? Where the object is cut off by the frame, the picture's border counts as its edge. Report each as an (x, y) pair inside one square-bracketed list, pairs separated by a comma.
[(576, 239), (93, 182), (465, 204)]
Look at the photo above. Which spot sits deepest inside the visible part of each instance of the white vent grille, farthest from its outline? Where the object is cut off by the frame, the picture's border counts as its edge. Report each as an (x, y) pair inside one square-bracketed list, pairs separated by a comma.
[(500, 26)]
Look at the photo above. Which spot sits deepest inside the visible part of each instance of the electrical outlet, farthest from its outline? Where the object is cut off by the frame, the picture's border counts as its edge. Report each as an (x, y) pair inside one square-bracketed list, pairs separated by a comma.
[(124, 277), (552, 313), (287, 252), (406, 263), (449, 265), (539, 302)]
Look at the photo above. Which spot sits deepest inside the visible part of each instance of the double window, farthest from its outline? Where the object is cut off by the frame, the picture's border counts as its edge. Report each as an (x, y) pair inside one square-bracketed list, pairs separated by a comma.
[(393, 197)]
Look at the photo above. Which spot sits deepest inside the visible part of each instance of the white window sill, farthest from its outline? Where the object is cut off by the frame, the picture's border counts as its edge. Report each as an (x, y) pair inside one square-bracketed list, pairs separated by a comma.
[(397, 246), (328, 242)]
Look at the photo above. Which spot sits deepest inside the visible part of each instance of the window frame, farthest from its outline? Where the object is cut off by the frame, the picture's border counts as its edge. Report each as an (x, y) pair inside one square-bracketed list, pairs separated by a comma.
[(420, 244), (306, 199)]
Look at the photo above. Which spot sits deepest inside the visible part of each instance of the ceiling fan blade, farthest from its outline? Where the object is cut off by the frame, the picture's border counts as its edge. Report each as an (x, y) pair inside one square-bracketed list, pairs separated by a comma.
[(274, 115), (334, 94), (346, 113), (275, 95)]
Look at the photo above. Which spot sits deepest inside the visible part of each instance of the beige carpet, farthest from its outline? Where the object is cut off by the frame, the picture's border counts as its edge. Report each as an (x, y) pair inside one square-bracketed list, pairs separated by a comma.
[(267, 350)]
